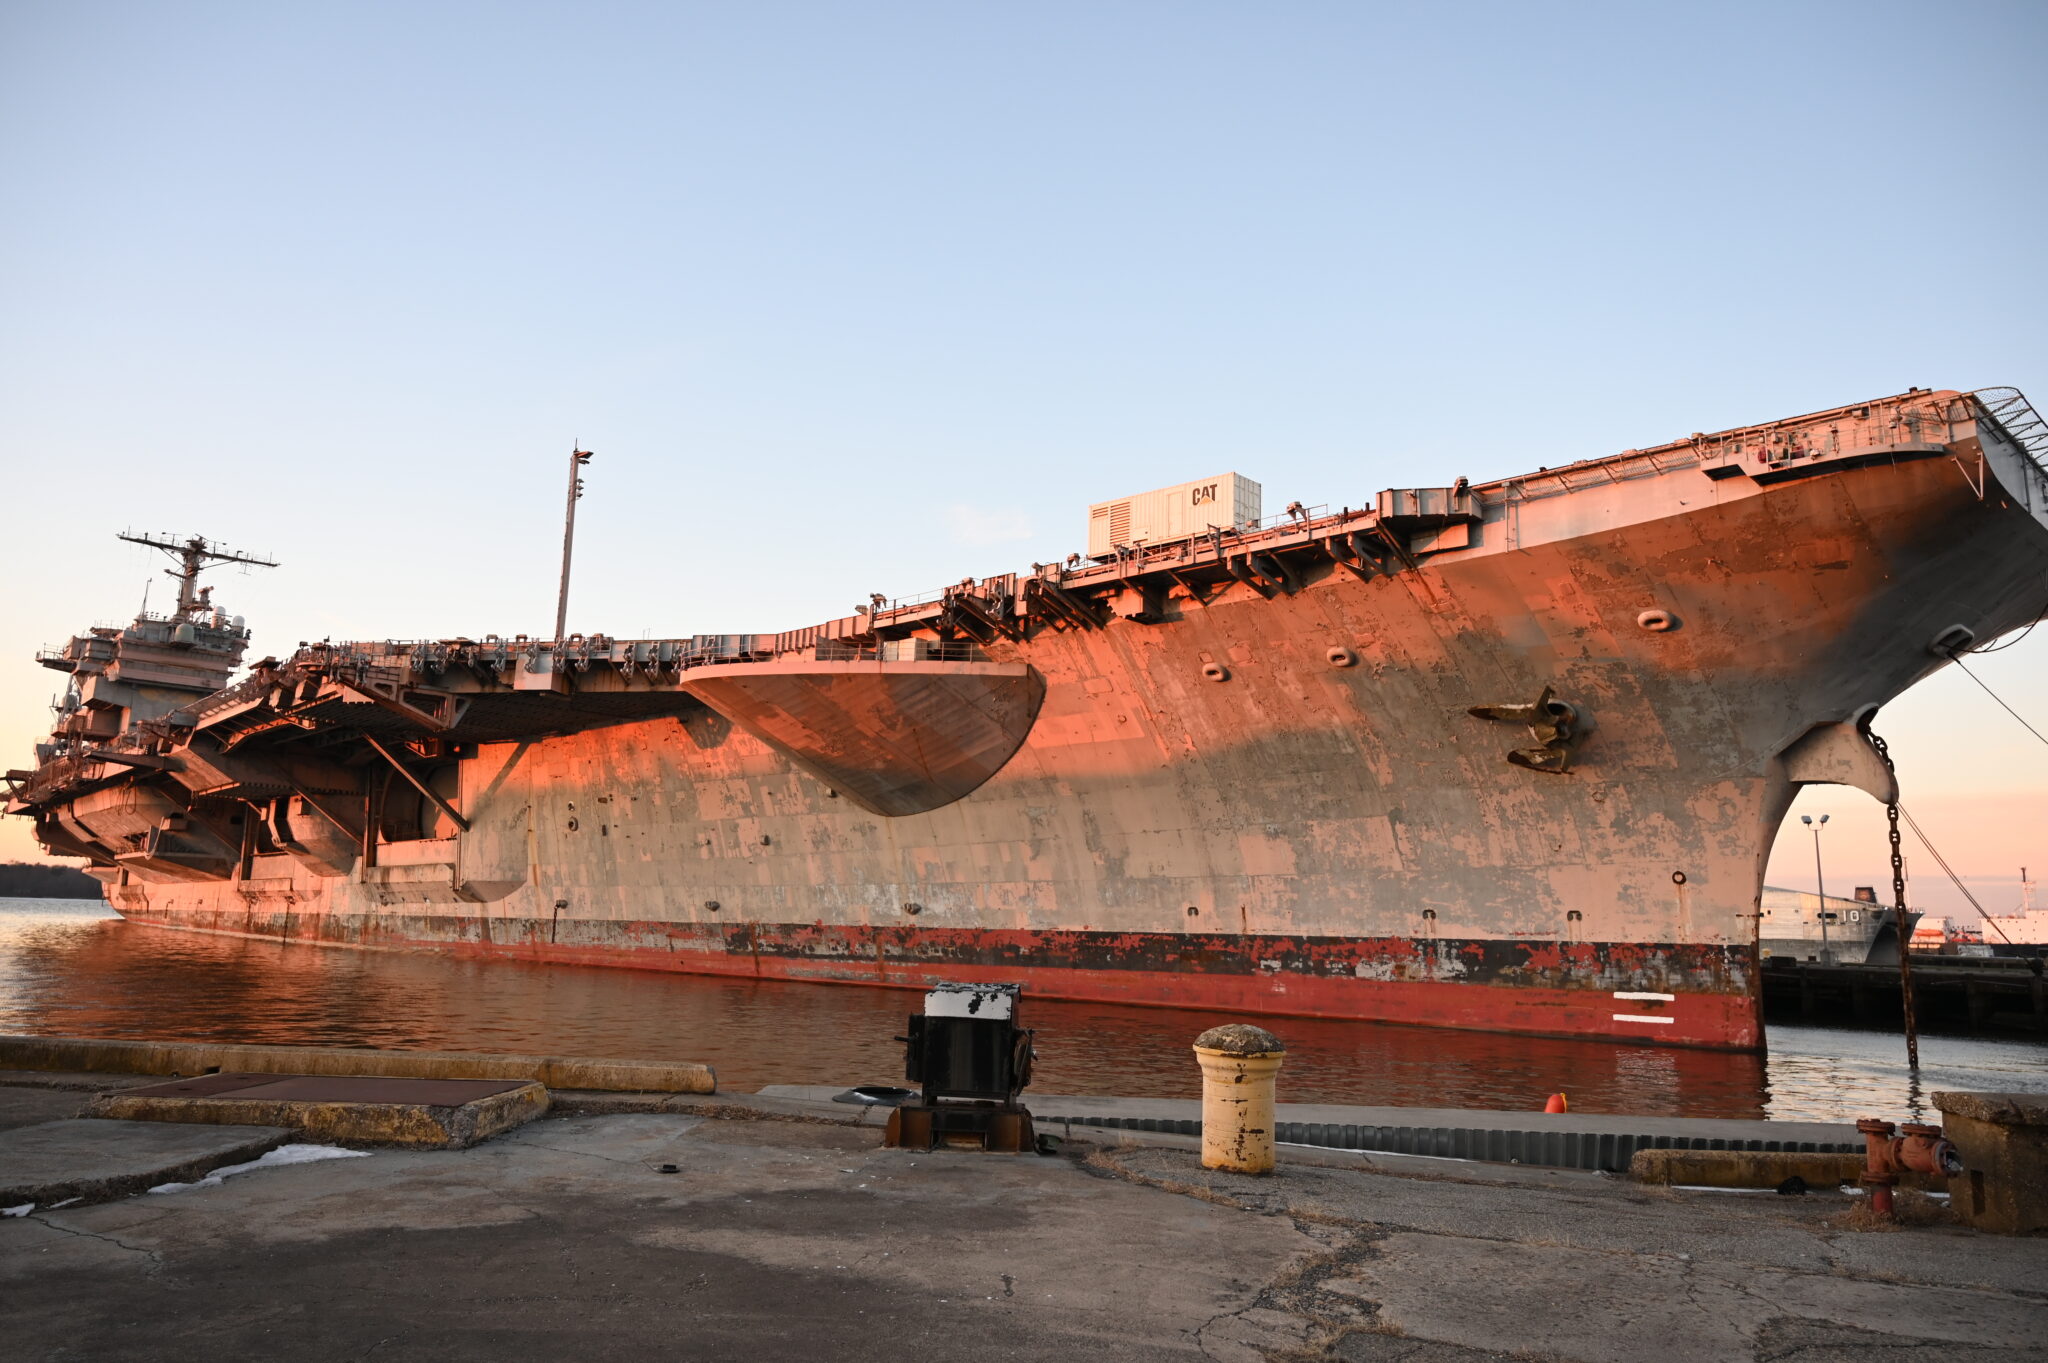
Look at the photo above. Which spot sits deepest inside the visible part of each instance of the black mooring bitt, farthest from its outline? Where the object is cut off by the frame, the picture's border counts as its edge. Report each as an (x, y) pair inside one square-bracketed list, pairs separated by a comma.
[(971, 1060)]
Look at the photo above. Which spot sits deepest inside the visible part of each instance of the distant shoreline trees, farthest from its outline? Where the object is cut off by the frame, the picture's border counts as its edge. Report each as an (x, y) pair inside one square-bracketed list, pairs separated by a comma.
[(43, 880)]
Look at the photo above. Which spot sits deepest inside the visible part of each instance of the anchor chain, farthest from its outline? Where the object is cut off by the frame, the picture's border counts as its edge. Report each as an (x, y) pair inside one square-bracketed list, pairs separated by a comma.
[(1899, 922)]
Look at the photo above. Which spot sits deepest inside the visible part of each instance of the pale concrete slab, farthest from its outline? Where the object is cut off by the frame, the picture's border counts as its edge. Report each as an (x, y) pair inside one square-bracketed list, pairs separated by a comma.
[(31, 1097), (93, 1159), (1605, 1307), (714, 1236), (1440, 1270), (34, 1106), (771, 1240)]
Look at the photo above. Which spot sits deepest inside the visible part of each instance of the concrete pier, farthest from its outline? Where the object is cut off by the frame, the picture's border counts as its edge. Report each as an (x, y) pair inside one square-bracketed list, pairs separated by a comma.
[(96, 1055), (776, 1227), (1967, 995), (348, 1109)]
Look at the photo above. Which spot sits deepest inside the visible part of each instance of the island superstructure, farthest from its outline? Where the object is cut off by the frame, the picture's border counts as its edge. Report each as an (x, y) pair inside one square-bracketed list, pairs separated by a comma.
[(1506, 755)]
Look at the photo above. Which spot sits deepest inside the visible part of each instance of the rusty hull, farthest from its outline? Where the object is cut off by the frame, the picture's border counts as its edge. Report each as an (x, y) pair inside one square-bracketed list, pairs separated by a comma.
[(1315, 770)]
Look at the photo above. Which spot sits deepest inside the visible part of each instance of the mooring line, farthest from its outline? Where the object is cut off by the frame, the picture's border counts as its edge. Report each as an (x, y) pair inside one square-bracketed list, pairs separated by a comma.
[(1943, 863), (1994, 695)]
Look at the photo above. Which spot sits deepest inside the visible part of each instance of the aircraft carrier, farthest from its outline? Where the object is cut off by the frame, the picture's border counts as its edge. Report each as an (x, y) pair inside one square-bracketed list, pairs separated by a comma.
[(1505, 755)]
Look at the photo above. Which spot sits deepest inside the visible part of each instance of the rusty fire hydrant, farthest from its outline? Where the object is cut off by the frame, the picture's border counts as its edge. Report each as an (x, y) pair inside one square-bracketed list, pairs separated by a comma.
[(1921, 1149), (1238, 1064)]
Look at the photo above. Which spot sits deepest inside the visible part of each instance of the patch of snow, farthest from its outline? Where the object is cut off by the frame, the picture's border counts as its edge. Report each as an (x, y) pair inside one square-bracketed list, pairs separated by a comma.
[(284, 1154)]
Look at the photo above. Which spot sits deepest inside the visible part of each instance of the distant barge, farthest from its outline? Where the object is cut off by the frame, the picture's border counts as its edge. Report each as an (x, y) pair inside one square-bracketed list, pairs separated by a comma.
[(1950, 993)]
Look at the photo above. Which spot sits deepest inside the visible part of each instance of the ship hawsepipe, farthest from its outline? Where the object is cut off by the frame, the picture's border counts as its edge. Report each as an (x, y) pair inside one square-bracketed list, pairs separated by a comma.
[(1506, 756)]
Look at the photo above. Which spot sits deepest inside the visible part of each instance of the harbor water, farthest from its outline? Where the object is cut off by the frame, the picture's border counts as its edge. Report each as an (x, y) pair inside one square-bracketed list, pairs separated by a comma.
[(72, 967)]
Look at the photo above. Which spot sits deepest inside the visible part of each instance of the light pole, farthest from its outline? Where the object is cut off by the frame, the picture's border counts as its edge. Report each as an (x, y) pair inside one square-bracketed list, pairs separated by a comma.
[(1827, 957)]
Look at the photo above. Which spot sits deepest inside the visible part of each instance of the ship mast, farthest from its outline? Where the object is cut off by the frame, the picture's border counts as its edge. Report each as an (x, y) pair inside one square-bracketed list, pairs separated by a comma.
[(578, 457), (194, 555)]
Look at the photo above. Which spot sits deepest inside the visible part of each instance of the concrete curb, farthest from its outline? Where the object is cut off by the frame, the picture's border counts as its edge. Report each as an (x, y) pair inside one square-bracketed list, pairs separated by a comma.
[(1742, 1168), (1759, 1169), (724, 1107), (185, 1058), (1592, 1141), (65, 1082), (1574, 1140), (419, 1126), (1296, 1157), (1602, 1150)]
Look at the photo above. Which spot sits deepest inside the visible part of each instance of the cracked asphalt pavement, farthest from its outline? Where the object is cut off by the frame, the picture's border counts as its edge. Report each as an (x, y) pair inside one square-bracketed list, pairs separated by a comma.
[(782, 1240)]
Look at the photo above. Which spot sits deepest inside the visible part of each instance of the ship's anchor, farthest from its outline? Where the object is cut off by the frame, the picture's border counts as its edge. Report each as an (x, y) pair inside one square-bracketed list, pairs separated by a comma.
[(1553, 723)]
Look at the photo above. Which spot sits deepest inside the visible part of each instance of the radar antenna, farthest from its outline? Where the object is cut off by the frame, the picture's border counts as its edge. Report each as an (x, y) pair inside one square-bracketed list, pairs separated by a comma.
[(194, 554)]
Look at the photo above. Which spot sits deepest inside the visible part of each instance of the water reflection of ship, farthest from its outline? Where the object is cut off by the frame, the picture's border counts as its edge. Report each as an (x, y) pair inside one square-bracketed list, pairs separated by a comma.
[(1800, 925)]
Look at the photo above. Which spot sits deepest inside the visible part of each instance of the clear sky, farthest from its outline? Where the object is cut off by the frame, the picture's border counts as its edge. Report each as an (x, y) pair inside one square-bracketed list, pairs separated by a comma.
[(866, 297)]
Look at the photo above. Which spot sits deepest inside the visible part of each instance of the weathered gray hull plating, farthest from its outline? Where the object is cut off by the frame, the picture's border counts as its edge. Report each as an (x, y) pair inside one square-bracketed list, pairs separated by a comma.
[(1507, 756)]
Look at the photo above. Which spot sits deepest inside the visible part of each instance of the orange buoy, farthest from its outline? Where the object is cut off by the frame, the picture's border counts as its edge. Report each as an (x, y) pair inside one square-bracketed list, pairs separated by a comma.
[(1555, 1103)]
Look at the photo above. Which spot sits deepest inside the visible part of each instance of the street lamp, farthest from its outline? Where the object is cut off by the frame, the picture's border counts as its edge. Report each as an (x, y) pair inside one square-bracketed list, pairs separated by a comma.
[(1827, 957)]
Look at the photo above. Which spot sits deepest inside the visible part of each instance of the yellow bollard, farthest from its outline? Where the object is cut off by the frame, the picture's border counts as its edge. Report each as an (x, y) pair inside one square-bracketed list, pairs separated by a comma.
[(1238, 1064)]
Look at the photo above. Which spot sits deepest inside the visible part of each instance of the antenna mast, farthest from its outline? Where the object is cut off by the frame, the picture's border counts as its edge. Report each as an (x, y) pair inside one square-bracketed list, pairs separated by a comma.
[(194, 554), (578, 457)]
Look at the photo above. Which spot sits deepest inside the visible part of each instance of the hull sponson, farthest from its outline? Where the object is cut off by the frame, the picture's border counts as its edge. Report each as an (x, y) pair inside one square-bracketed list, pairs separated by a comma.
[(1305, 819)]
